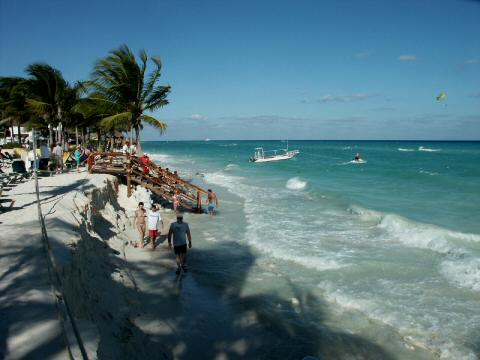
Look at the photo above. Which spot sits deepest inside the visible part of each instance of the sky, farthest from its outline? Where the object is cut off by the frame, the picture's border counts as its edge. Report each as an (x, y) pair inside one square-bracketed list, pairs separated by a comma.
[(274, 69)]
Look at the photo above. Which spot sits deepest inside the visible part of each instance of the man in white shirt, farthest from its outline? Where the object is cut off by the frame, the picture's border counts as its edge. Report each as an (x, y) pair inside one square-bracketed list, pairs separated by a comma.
[(133, 149), (153, 221)]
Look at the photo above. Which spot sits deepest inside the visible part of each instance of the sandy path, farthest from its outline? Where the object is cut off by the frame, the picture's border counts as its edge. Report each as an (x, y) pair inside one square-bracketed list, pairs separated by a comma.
[(30, 327)]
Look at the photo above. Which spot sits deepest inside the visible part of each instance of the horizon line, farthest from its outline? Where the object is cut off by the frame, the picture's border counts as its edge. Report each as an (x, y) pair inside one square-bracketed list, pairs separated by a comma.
[(376, 140)]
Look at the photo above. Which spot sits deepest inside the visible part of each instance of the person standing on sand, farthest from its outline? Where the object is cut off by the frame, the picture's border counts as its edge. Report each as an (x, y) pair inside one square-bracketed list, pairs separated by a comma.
[(57, 152), (176, 200), (180, 231), (140, 215), (212, 203), (78, 156), (154, 220)]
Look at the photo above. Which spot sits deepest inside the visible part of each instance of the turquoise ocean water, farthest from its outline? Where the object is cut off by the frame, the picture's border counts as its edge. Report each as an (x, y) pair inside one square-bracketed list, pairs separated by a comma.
[(384, 254)]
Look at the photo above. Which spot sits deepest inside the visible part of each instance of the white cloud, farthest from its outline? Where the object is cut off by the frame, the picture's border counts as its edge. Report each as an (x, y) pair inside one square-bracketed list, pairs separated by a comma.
[(363, 55), (407, 58), (472, 62), (198, 117), (343, 98), (270, 119)]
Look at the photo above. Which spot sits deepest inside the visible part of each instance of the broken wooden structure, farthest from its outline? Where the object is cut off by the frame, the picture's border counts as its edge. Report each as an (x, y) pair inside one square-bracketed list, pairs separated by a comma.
[(150, 176)]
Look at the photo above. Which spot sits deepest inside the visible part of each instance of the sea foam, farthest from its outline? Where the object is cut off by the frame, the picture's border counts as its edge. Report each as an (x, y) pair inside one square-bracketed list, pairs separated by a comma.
[(416, 234), (296, 183), (421, 148), (464, 273)]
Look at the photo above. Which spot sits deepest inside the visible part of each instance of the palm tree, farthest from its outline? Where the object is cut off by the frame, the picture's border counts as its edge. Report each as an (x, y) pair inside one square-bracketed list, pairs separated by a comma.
[(47, 90), (13, 92), (94, 109), (120, 80)]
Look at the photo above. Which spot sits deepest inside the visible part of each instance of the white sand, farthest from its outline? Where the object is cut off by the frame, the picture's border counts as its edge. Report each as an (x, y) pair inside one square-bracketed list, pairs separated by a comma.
[(127, 302), (96, 277)]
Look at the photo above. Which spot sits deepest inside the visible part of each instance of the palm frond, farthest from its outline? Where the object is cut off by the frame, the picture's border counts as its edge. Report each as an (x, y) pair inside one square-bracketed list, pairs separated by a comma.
[(120, 80), (157, 98), (159, 124), (153, 78), (117, 121), (38, 107), (7, 120)]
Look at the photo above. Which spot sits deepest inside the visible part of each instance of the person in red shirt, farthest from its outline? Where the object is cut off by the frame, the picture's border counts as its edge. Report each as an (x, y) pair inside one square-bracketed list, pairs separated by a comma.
[(145, 160)]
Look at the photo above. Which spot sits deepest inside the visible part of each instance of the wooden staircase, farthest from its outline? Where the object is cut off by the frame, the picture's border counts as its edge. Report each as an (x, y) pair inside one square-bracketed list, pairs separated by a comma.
[(150, 176)]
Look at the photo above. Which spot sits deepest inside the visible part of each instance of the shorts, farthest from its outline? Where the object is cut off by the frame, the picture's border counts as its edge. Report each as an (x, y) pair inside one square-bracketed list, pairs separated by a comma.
[(211, 208), (182, 249), (43, 164), (153, 233)]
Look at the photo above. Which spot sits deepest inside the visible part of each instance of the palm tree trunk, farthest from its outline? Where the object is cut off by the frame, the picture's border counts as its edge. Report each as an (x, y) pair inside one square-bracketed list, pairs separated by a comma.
[(50, 135), (83, 136), (57, 134), (137, 140), (11, 133), (19, 135), (76, 136), (98, 138), (112, 141)]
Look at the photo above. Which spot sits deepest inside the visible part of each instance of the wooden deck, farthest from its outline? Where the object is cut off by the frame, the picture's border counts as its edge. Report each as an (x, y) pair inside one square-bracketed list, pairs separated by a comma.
[(150, 176)]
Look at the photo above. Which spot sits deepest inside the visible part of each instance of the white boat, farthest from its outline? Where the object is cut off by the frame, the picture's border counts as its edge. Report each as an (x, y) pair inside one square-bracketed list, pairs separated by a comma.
[(273, 155)]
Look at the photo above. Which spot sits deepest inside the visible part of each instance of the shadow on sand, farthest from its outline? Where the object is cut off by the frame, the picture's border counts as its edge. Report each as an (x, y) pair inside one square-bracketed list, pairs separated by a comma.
[(214, 320), (203, 315)]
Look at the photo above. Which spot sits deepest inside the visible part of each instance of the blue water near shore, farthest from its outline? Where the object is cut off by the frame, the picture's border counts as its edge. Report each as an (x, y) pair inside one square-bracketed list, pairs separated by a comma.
[(391, 248)]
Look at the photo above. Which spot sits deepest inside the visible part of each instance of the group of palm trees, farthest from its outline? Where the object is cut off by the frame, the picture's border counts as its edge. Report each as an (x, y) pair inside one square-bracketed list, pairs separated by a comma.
[(115, 99)]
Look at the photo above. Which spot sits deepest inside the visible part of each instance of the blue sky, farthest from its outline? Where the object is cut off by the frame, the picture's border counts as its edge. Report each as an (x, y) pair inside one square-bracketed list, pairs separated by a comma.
[(274, 69)]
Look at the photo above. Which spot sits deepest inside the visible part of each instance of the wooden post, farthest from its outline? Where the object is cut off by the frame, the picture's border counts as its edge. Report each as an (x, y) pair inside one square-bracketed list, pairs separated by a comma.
[(129, 182)]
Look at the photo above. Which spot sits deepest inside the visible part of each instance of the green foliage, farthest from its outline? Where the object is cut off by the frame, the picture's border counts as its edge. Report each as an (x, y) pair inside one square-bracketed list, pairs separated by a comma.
[(117, 97), (121, 81)]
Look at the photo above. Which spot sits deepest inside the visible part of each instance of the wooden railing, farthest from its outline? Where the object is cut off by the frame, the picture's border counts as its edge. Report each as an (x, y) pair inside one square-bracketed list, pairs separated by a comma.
[(150, 175)]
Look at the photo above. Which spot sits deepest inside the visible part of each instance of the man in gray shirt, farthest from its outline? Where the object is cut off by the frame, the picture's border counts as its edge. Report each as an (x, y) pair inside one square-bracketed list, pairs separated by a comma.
[(180, 232)]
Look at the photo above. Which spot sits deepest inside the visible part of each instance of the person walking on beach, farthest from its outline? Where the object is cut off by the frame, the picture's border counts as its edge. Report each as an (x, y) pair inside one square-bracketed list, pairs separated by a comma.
[(212, 203), (154, 220), (57, 153), (180, 231), (140, 215)]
